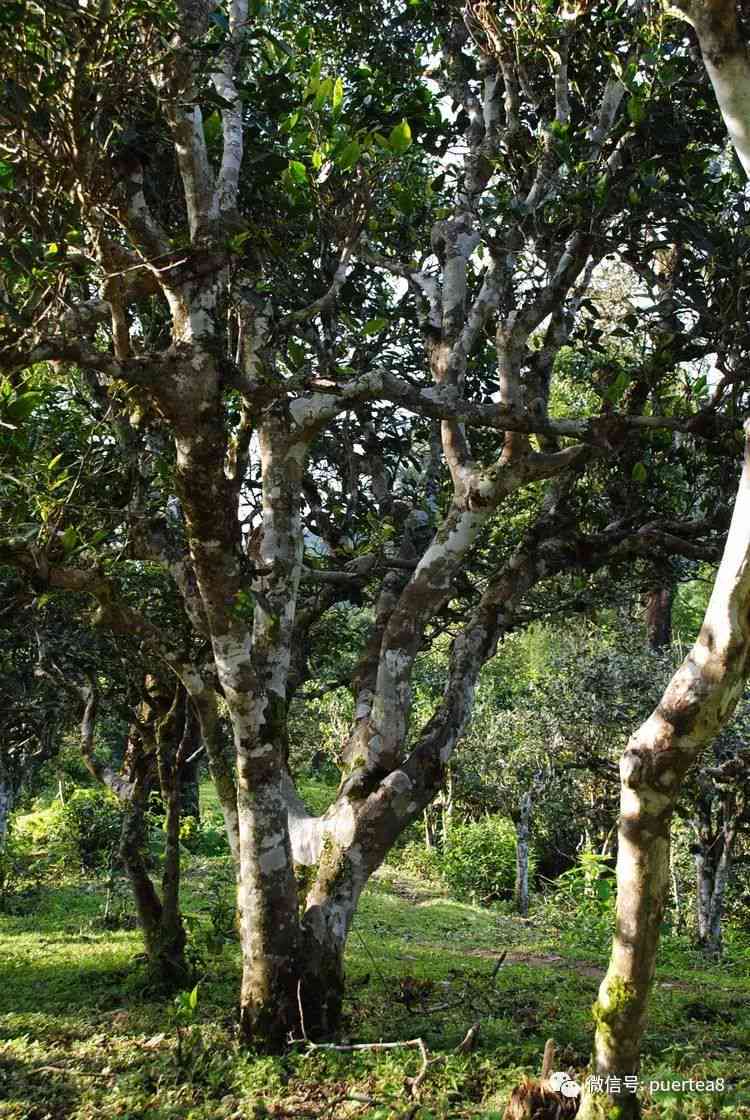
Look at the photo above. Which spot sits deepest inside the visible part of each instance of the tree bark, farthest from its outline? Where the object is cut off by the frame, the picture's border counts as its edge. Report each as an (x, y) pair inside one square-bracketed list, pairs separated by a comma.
[(6, 807), (698, 701), (726, 60), (713, 863), (659, 617), (156, 765), (190, 771), (523, 827)]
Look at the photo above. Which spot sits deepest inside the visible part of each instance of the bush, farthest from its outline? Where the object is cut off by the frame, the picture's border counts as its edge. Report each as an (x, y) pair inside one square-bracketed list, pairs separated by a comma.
[(206, 837), (581, 905), (20, 877), (90, 824), (479, 862), (417, 860)]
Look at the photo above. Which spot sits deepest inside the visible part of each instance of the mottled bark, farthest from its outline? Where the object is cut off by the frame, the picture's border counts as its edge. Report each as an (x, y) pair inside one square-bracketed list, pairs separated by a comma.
[(463, 300), (698, 701)]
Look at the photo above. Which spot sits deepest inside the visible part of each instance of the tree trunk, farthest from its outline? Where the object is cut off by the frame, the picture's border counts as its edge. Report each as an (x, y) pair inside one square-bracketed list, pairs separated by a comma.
[(727, 65), (697, 703), (6, 807), (659, 617), (164, 941), (677, 902), (267, 897), (190, 787), (429, 831), (175, 737), (447, 808), (523, 825), (321, 990), (713, 864)]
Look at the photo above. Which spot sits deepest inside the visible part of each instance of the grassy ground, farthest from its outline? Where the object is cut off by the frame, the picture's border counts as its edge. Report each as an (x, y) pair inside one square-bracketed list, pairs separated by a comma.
[(82, 1038)]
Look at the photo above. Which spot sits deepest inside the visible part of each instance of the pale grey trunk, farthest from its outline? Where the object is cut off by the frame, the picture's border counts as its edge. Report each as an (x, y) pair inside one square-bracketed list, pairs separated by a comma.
[(523, 828), (713, 864), (727, 65), (698, 702), (447, 808)]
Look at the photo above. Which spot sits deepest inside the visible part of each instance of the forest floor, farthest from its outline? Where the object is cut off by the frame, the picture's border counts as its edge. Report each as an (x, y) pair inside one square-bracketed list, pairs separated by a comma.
[(82, 1038)]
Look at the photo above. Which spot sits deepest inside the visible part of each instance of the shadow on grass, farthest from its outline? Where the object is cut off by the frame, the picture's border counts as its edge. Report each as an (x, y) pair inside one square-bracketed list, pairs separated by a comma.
[(34, 1090)]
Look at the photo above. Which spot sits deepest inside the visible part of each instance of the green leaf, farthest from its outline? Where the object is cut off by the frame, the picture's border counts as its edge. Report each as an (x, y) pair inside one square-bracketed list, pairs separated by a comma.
[(54, 461), (601, 188), (296, 353), (325, 90), (399, 139), (374, 326), (337, 98), (640, 474), (212, 127), (235, 243), (617, 388), (23, 406), (193, 998), (348, 156), (636, 110), (278, 43), (6, 176), (288, 124), (297, 172), (69, 538)]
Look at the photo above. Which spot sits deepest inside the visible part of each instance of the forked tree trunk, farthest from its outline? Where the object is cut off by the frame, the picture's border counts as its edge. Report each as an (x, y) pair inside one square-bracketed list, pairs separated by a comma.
[(163, 939), (698, 701)]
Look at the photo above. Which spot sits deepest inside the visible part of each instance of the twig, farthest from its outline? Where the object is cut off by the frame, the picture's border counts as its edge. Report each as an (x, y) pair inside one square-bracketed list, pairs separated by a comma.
[(499, 963), (301, 1012), (413, 1083), (369, 953), (469, 1040), (61, 1069), (357, 1098)]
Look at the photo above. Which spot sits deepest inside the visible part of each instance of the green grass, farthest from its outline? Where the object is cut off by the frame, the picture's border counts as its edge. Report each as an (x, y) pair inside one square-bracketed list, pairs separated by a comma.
[(81, 1037)]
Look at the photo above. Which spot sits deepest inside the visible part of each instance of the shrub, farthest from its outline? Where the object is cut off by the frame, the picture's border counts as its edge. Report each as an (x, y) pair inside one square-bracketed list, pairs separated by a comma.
[(581, 904), (204, 837), (417, 860), (20, 877), (479, 861), (90, 824)]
